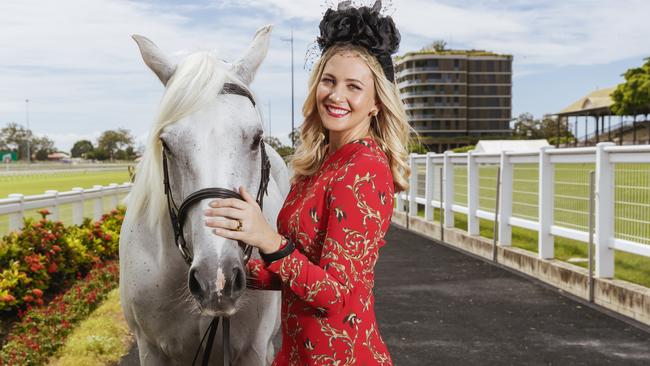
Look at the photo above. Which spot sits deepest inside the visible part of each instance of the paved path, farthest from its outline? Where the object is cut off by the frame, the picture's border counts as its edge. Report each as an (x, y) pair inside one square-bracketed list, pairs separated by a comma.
[(438, 306)]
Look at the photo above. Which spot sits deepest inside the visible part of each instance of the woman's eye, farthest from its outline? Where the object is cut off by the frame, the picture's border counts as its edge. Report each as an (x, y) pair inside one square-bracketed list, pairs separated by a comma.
[(328, 81), (352, 86)]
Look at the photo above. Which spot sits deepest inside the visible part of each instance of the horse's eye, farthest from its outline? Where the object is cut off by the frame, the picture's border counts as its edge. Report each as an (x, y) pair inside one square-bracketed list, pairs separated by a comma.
[(256, 141)]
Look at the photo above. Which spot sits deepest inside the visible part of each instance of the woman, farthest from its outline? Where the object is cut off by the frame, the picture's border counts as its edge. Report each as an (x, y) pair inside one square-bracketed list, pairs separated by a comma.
[(351, 160)]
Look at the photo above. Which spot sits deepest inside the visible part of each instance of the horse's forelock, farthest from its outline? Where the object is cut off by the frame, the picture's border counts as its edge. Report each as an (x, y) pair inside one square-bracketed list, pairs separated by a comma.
[(195, 83)]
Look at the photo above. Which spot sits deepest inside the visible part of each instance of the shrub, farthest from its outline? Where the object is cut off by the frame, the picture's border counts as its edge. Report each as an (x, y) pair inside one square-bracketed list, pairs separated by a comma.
[(43, 256), (41, 331)]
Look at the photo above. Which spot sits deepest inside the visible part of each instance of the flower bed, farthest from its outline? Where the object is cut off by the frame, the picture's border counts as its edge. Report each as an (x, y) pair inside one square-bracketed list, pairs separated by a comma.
[(45, 283), (41, 331), (45, 256)]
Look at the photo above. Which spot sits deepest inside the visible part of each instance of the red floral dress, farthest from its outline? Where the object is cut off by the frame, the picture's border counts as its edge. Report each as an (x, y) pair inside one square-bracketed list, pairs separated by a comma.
[(337, 219)]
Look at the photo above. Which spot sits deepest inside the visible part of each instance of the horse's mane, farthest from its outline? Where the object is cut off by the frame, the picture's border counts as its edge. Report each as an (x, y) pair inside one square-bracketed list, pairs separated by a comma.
[(196, 82)]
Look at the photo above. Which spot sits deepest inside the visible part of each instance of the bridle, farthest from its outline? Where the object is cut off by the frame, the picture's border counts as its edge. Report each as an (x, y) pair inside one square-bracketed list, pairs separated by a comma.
[(178, 215)]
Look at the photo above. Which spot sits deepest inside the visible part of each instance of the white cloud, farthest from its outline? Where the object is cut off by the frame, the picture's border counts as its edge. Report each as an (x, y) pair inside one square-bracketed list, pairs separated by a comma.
[(75, 61), (536, 32)]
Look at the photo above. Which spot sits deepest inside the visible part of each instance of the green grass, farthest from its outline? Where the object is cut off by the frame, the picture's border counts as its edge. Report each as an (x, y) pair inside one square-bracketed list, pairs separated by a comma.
[(31, 184), (629, 267), (102, 339)]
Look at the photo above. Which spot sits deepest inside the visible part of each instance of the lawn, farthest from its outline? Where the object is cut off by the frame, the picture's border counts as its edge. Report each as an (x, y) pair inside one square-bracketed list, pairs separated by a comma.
[(30, 184)]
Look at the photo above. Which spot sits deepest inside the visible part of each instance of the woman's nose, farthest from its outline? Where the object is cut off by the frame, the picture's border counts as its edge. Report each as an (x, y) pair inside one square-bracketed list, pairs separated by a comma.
[(336, 96)]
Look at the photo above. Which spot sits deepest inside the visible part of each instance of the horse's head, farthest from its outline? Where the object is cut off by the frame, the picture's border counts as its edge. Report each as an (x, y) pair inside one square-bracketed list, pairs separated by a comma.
[(211, 139)]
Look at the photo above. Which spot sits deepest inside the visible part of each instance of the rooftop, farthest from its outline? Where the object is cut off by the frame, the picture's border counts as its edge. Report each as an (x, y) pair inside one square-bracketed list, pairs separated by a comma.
[(430, 51), (597, 101)]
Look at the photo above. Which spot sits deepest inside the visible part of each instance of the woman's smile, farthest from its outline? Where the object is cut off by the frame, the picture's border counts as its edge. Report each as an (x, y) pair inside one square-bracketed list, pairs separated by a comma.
[(336, 112)]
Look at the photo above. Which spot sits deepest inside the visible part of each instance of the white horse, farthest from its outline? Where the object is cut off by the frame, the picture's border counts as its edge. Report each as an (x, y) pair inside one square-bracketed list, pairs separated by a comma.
[(212, 141)]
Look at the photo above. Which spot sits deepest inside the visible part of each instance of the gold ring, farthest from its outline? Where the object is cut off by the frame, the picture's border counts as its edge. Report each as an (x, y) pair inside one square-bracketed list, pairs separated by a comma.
[(239, 225)]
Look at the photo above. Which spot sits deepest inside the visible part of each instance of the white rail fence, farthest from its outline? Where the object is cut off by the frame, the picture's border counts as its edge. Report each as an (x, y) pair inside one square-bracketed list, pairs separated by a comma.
[(16, 205), (546, 192)]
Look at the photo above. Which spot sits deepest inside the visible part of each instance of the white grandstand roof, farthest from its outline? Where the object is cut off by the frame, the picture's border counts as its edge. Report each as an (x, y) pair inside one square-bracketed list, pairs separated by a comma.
[(497, 146)]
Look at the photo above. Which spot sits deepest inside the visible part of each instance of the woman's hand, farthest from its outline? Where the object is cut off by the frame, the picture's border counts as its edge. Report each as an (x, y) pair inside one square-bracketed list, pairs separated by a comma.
[(223, 214)]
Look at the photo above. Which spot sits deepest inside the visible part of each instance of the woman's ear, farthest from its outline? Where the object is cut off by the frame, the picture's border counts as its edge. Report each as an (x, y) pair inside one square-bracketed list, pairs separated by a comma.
[(375, 109)]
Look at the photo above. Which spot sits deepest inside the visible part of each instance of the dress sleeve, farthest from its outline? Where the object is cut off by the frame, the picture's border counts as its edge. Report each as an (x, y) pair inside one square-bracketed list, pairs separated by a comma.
[(360, 208), (260, 278)]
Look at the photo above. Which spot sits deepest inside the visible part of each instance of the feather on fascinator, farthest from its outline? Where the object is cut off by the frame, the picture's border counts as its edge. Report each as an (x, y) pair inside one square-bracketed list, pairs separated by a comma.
[(363, 26)]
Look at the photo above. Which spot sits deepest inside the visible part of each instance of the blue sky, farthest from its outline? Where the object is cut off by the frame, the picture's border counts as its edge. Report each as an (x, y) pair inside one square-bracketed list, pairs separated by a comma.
[(76, 62)]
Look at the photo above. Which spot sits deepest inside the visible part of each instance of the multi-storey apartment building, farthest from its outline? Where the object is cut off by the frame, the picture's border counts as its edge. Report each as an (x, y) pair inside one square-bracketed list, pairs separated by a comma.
[(454, 98)]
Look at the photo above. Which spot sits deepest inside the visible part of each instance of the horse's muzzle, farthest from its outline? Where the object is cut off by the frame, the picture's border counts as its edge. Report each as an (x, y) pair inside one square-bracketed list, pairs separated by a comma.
[(217, 288)]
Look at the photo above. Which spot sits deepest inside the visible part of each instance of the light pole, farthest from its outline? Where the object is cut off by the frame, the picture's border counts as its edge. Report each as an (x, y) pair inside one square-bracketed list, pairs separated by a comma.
[(29, 157), (292, 108)]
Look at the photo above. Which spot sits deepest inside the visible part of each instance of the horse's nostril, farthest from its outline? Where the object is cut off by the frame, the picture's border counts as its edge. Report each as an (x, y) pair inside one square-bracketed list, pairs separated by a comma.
[(195, 286)]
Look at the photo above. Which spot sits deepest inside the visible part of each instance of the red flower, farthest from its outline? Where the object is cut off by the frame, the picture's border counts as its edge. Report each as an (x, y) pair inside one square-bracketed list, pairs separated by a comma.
[(52, 268), (37, 292), (7, 298), (34, 262), (107, 237), (39, 302), (28, 298), (56, 248)]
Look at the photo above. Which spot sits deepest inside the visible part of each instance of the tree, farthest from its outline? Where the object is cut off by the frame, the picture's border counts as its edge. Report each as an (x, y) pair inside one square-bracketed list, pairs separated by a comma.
[(14, 137), (633, 96), (81, 148), (43, 146), (273, 141), (439, 45), (527, 127), (113, 141), (282, 150), (416, 146)]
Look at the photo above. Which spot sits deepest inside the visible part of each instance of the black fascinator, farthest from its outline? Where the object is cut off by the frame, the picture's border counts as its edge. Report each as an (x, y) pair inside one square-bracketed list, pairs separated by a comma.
[(363, 26)]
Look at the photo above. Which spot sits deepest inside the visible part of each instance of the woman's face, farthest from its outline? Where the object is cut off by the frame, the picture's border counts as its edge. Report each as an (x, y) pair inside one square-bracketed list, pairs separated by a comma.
[(346, 94)]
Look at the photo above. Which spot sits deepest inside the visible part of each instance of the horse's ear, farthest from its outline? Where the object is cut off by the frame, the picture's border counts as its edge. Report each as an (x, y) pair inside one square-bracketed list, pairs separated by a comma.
[(247, 65), (154, 58)]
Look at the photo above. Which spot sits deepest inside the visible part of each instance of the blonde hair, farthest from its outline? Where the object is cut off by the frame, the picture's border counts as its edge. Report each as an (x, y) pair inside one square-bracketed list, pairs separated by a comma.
[(391, 132)]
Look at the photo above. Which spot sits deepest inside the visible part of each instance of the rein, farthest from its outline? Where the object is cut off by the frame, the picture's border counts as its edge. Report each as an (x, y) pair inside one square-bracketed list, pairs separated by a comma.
[(178, 215)]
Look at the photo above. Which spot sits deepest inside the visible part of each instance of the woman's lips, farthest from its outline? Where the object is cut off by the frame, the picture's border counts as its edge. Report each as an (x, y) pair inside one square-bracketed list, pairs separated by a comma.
[(336, 112)]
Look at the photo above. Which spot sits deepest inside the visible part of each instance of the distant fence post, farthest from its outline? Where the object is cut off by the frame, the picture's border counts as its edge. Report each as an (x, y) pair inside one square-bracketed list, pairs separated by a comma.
[(413, 186), (448, 190), (428, 188), (54, 214), (506, 197), (98, 206), (114, 195), (546, 204), (473, 190), (16, 218), (604, 212), (78, 207)]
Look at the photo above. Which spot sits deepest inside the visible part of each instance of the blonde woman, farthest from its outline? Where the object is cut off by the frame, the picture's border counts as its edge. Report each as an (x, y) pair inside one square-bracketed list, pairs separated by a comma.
[(350, 161)]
